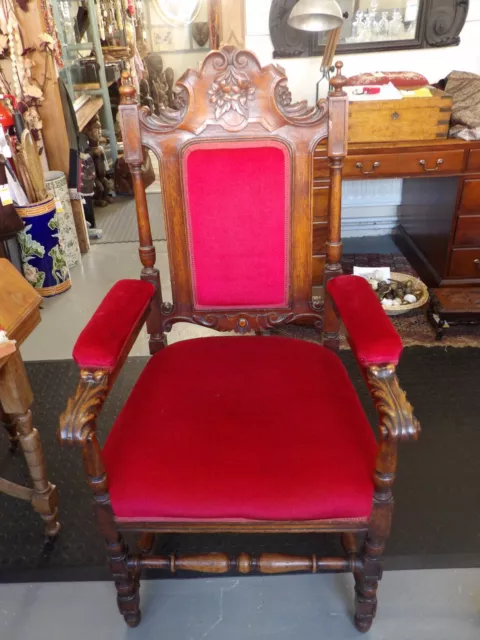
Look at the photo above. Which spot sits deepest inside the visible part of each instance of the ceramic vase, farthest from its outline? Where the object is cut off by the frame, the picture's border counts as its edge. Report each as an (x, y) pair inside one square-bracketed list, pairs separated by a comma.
[(44, 262)]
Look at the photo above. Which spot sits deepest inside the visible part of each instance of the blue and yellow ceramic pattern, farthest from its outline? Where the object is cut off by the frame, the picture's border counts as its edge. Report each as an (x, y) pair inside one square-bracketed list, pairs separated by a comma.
[(44, 263)]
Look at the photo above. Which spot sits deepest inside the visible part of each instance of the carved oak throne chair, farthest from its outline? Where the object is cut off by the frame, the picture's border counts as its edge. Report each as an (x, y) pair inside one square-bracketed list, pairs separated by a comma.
[(251, 433)]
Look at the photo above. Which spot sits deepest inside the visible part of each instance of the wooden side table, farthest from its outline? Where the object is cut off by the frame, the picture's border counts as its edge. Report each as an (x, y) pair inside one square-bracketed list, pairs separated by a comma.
[(19, 315), (450, 305)]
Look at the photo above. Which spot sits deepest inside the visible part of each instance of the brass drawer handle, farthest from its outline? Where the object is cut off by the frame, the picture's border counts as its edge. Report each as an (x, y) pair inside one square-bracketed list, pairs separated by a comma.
[(424, 165), (395, 115), (477, 262), (375, 166)]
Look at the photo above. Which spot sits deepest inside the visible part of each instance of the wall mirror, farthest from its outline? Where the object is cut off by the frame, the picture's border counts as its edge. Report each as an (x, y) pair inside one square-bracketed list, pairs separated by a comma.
[(373, 25)]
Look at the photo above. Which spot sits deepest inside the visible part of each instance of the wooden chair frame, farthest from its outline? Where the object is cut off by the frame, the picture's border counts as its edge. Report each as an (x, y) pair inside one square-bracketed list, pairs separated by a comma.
[(270, 114)]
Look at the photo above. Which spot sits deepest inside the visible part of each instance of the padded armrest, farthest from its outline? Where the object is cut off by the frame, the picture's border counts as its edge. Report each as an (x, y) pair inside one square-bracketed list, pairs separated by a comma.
[(371, 334), (101, 343)]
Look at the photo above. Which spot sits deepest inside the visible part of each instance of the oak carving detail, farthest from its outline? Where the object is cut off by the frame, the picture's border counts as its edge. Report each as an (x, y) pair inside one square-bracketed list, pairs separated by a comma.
[(397, 421), (77, 422), (298, 113), (244, 322), (231, 89)]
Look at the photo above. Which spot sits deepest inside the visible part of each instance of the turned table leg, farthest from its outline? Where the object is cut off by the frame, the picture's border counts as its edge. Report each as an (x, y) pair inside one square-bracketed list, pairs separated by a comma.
[(11, 428), (16, 398), (45, 495)]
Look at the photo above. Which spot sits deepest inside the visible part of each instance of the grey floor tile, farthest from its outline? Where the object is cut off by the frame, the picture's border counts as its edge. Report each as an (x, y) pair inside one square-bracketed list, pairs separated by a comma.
[(413, 605)]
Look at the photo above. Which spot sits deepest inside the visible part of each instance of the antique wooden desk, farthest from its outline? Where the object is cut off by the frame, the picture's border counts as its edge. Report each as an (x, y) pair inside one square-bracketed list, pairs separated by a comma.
[(444, 239), (19, 315)]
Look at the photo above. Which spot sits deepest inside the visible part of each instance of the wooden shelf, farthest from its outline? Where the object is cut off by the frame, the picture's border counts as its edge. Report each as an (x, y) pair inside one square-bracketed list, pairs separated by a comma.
[(87, 111), (89, 86)]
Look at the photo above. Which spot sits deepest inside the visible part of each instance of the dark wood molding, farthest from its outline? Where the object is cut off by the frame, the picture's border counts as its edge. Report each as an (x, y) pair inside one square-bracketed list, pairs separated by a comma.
[(444, 22), (439, 24), (243, 322), (244, 563)]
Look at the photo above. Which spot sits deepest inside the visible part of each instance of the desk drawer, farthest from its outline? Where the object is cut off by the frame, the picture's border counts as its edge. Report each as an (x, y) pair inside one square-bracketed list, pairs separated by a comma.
[(465, 263), (470, 202), (468, 231), (398, 164), (474, 160)]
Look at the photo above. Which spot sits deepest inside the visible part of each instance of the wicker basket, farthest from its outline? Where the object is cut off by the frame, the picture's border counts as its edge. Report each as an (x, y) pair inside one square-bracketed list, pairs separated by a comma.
[(417, 286)]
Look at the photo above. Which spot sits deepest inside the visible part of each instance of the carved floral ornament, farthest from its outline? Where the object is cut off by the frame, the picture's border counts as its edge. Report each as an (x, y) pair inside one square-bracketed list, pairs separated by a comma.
[(231, 90)]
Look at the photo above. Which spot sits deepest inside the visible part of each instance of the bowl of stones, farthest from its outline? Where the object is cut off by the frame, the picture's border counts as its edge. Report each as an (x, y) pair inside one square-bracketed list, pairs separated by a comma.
[(399, 293)]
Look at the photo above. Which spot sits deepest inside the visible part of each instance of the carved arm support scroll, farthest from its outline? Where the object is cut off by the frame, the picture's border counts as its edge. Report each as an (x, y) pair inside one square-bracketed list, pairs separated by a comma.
[(78, 421), (397, 423), (100, 351), (78, 427)]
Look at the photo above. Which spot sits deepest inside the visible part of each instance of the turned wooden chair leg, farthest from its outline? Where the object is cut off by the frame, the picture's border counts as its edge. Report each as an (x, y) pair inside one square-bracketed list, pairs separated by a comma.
[(45, 495), (366, 581), (126, 581)]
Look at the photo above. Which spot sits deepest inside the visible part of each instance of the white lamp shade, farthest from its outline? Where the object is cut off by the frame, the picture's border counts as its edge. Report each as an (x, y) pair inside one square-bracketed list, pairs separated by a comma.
[(316, 15)]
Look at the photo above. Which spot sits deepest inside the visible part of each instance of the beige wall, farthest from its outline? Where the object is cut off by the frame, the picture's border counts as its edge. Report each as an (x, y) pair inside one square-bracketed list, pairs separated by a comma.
[(385, 5)]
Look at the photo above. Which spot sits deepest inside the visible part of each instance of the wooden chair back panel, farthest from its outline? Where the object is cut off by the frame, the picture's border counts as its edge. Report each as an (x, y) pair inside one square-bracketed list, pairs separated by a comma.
[(231, 100)]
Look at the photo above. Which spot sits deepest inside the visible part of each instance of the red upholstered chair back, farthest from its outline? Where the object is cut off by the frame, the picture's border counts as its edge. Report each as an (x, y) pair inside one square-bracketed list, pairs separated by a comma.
[(236, 168), (237, 199)]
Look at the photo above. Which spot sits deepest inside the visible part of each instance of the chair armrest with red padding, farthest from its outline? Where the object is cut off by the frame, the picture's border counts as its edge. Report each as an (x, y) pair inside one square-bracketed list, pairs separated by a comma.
[(371, 334), (103, 340)]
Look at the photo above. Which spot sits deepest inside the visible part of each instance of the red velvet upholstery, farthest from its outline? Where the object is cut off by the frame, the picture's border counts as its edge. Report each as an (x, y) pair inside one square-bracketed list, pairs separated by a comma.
[(101, 342), (371, 334), (242, 428), (237, 201)]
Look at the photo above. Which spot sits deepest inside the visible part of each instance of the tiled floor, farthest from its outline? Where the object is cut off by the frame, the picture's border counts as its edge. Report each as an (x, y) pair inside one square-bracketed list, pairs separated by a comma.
[(413, 605)]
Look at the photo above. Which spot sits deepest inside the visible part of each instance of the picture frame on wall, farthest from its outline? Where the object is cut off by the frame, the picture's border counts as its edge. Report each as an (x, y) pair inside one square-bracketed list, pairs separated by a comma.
[(373, 25), (163, 38)]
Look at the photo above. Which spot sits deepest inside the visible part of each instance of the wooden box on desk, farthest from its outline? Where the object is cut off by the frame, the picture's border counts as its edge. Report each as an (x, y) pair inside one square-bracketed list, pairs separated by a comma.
[(415, 118)]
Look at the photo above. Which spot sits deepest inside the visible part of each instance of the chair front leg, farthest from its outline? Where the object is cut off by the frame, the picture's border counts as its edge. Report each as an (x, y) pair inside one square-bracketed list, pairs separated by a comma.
[(78, 427), (397, 424), (366, 580)]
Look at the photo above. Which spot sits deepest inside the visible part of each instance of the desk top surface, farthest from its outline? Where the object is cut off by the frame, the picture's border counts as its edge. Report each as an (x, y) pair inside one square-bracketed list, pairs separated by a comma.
[(450, 143), (19, 303)]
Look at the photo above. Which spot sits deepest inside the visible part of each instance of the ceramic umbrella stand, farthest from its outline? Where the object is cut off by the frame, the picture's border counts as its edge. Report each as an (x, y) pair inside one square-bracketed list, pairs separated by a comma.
[(44, 262), (56, 184)]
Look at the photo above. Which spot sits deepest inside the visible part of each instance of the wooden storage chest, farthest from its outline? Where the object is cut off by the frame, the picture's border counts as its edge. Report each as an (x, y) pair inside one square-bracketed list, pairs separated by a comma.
[(400, 120)]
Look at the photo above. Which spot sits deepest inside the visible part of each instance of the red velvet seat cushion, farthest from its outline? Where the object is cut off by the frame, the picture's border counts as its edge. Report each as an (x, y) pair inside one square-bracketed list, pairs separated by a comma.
[(371, 334), (261, 428), (101, 342)]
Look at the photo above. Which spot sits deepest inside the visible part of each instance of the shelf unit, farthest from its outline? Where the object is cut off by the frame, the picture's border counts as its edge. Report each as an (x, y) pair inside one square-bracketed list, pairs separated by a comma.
[(71, 50), (87, 111)]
